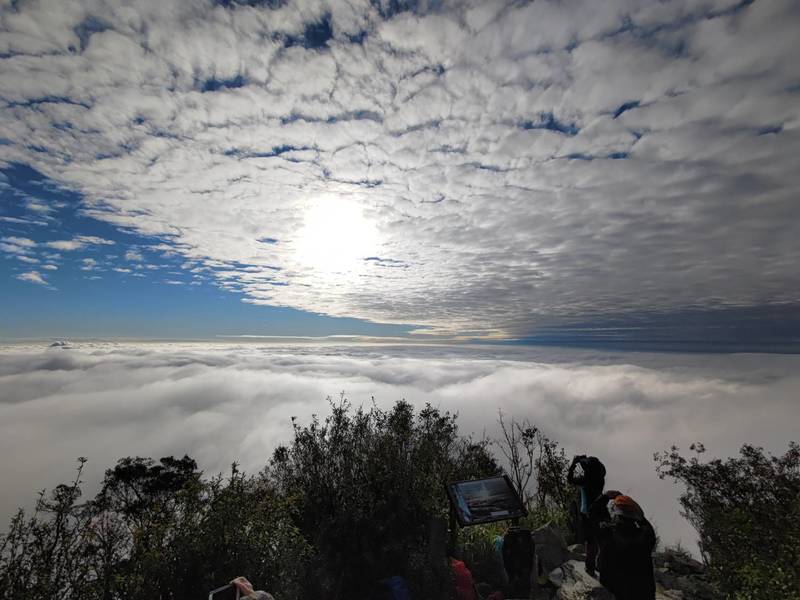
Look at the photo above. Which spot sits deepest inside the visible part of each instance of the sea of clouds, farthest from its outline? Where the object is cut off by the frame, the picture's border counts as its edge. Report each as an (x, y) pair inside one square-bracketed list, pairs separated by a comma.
[(233, 402)]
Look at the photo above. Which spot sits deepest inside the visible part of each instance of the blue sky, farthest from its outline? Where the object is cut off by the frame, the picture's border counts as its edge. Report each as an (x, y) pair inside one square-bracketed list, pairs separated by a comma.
[(554, 173), (130, 289)]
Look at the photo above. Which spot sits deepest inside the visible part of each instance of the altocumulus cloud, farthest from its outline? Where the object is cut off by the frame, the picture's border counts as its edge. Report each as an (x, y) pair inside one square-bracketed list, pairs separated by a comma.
[(222, 403), (518, 163)]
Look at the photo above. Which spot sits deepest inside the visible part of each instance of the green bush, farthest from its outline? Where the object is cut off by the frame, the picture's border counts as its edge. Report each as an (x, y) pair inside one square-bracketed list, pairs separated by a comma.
[(365, 486), (350, 500), (746, 511), (155, 530)]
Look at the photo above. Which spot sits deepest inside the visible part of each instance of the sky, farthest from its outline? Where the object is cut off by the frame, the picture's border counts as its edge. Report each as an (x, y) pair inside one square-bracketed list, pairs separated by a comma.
[(615, 174), (225, 402)]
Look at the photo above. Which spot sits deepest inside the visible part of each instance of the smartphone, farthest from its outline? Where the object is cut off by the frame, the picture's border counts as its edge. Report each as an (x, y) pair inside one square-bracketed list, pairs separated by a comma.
[(226, 592)]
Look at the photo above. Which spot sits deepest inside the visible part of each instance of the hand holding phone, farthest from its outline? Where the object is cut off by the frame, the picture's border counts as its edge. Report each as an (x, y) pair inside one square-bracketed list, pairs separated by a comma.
[(226, 592), (236, 589), (244, 587)]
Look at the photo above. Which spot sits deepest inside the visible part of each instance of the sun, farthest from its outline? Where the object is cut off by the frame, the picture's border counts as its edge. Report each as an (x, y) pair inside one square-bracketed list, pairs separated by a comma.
[(335, 236)]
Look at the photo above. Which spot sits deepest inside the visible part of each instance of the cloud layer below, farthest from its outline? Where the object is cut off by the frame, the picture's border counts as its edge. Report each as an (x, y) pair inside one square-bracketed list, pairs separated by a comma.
[(493, 165), (221, 403)]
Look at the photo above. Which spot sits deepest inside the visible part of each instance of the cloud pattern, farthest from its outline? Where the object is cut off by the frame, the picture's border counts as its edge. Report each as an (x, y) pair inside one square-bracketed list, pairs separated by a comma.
[(522, 163), (226, 402)]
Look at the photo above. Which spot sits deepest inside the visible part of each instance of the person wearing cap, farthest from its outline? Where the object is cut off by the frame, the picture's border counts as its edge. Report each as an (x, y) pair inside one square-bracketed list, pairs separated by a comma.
[(626, 540)]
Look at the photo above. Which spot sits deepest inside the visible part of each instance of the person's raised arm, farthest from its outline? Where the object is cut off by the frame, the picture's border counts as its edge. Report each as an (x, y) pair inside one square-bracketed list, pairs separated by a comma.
[(247, 592), (571, 473)]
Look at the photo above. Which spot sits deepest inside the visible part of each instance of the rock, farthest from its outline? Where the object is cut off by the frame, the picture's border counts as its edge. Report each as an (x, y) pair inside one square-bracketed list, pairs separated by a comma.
[(579, 585), (577, 552), (679, 574), (550, 548), (679, 563), (556, 577)]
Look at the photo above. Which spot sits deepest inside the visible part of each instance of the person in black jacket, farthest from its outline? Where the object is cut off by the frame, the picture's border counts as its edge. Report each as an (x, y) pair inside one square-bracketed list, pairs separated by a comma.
[(589, 475), (626, 541)]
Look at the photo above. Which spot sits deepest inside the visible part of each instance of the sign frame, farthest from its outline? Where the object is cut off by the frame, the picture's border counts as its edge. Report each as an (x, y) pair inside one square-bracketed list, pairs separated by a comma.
[(464, 512)]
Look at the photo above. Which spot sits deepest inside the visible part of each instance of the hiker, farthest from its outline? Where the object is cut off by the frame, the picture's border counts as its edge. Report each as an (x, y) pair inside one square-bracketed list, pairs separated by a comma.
[(247, 592), (627, 540), (463, 582), (589, 475)]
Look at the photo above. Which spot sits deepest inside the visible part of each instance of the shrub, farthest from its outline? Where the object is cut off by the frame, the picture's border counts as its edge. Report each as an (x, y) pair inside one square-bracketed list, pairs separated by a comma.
[(366, 484), (746, 511), (155, 530), (538, 468), (44, 552), (349, 501)]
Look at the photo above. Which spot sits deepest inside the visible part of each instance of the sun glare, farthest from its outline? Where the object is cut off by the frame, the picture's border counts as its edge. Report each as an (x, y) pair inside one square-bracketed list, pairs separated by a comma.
[(335, 236)]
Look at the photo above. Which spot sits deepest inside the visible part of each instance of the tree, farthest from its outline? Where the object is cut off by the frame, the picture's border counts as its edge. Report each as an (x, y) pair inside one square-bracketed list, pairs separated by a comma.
[(535, 464), (746, 511), (44, 552), (155, 530), (365, 485)]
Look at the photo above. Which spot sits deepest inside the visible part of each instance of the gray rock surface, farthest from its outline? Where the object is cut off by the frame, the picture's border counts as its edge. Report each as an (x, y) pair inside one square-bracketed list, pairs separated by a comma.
[(676, 571), (678, 577), (556, 577), (579, 585), (550, 547), (577, 552)]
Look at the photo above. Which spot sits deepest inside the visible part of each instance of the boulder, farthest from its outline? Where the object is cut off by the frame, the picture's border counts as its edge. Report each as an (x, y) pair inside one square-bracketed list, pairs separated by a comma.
[(556, 577), (577, 552), (679, 574), (550, 548), (678, 562), (579, 585)]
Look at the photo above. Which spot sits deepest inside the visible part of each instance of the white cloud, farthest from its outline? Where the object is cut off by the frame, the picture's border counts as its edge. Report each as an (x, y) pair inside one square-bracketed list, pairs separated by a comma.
[(121, 270), (18, 246), (133, 255), (33, 277), (22, 221), (38, 207), (88, 264), (462, 135), (106, 401), (93, 240), (66, 245), (20, 241), (27, 259), (49, 267), (78, 242)]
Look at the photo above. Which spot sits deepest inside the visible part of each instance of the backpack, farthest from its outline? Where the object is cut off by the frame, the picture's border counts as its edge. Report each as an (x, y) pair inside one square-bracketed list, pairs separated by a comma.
[(631, 538), (517, 553)]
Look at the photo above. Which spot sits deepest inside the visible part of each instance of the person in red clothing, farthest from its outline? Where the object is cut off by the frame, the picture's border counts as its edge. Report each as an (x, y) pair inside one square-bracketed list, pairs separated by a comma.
[(462, 580)]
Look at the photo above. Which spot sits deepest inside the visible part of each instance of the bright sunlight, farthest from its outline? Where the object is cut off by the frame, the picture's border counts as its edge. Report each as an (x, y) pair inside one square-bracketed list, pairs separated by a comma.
[(335, 236)]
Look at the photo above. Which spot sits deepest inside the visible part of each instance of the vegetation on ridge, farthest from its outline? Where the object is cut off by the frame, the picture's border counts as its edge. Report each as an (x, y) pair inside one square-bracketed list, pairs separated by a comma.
[(351, 500)]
